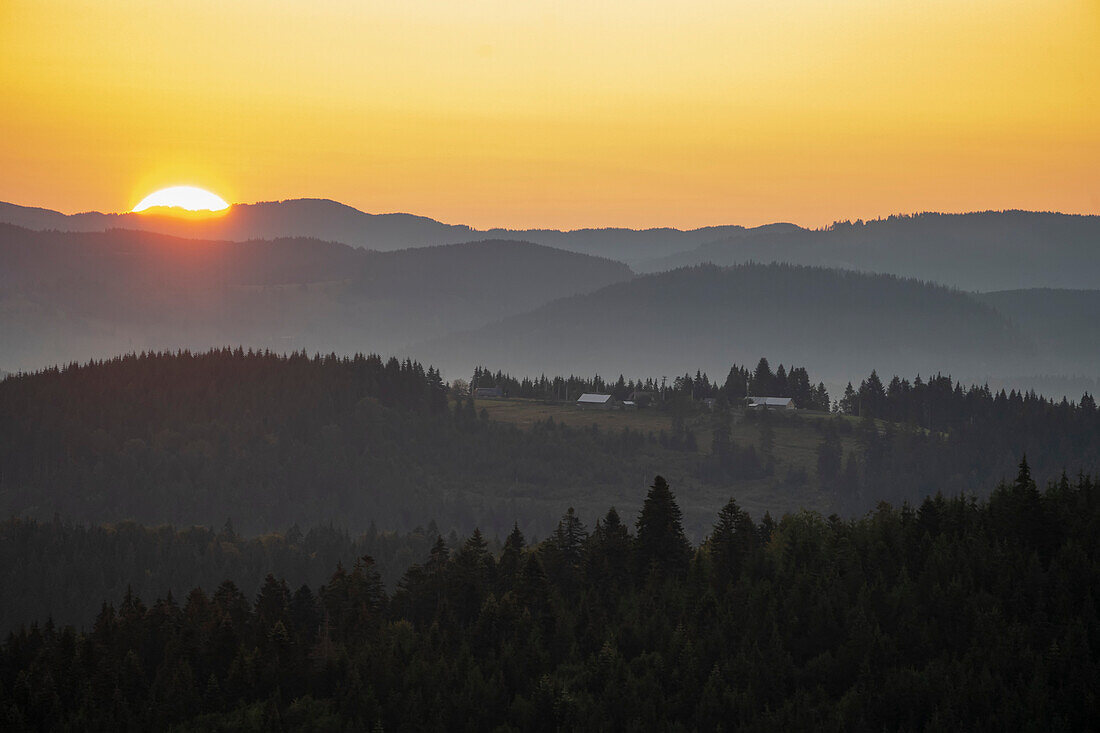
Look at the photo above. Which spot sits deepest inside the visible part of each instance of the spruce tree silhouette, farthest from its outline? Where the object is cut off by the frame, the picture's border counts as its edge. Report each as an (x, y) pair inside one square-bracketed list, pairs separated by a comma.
[(661, 540)]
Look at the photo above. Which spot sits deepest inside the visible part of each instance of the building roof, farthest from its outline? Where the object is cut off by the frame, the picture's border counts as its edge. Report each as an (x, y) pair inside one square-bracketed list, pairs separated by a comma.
[(590, 398), (771, 401)]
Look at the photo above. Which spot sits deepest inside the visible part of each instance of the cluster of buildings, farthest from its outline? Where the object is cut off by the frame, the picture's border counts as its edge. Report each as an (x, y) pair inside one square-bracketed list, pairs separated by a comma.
[(595, 401), (608, 402)]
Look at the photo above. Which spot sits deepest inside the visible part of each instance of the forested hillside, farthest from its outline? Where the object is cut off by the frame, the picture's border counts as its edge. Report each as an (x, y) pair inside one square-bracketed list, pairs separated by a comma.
[(959, 615), (69, 296), (1064, 324), (844, 323), (271, 441), (989, 250)]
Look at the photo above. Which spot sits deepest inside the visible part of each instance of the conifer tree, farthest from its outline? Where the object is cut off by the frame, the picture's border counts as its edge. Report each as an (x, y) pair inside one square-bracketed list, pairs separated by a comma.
[(762, 379), (849, 403), (735, 538), (661, 541), (607, 558), (474, 575), (511, 558), (272, 602), (569, 537)]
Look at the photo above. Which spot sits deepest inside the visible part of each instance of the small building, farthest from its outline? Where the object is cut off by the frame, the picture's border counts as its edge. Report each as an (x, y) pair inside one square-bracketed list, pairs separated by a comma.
[(592, 401), (489, 393), (710, 403), (770, 403)]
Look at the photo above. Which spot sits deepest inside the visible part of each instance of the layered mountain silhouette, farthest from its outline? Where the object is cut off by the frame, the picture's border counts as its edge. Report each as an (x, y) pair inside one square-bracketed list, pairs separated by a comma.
[(978, 251), (313, 218), (71, 296), (332, 221), (841, 322), (528, 307)]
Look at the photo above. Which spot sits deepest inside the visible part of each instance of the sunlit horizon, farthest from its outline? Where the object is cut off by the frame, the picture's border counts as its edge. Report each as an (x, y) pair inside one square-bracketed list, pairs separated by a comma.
[(230, 205), (569, 115), (187, 198)]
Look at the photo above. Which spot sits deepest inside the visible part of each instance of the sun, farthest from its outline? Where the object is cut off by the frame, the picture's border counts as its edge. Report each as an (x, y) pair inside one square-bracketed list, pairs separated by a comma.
[(188, 198)]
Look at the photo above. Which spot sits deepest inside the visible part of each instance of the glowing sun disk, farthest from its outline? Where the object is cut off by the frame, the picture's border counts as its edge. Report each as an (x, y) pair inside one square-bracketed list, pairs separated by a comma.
[(189, 198)]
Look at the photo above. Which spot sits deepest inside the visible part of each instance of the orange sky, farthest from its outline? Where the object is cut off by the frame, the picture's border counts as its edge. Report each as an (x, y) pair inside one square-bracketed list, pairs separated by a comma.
[(563, 114)]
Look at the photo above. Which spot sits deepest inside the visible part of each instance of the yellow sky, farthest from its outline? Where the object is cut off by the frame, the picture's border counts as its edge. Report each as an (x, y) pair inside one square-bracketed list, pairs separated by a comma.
[(564, 114)]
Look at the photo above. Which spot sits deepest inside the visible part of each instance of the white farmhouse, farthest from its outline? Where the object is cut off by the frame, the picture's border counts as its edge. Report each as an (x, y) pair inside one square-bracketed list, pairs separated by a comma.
[(771, 403), (593, 401)]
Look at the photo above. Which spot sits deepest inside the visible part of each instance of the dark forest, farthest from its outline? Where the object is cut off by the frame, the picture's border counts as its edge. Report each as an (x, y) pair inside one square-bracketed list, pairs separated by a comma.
[(251, 587), (955, 614)]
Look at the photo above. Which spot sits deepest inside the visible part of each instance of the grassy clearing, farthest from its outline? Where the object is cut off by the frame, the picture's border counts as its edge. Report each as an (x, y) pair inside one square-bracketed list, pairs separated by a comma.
[(796, 438), (526, 413)]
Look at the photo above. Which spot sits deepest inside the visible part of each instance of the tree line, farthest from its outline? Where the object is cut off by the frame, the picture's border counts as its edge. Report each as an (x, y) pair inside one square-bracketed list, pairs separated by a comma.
[(739, 383), (942, 404), (920, 437)]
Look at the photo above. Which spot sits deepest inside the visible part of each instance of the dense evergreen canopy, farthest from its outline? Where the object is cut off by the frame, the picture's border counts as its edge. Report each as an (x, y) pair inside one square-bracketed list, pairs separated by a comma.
[(955, 615)]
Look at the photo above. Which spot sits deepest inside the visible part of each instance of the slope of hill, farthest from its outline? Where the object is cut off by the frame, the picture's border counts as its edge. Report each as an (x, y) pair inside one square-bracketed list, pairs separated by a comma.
[(627, 245), (1065, 324), (332, 221), (72, 296), (270, 441), (842, 322), (977, 251)]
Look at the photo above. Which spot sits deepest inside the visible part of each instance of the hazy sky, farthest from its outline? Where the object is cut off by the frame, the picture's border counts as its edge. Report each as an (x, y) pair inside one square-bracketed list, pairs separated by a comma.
[(563, 114)]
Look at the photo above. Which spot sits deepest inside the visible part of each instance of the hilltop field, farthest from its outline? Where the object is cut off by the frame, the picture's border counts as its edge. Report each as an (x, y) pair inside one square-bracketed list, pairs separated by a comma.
[(796, 436)]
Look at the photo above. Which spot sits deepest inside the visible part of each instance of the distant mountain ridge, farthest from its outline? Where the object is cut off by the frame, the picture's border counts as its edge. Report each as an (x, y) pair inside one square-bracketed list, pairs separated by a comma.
[(76, 295), (840, 322), (332, 221), (991, 250), (314, 218)]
